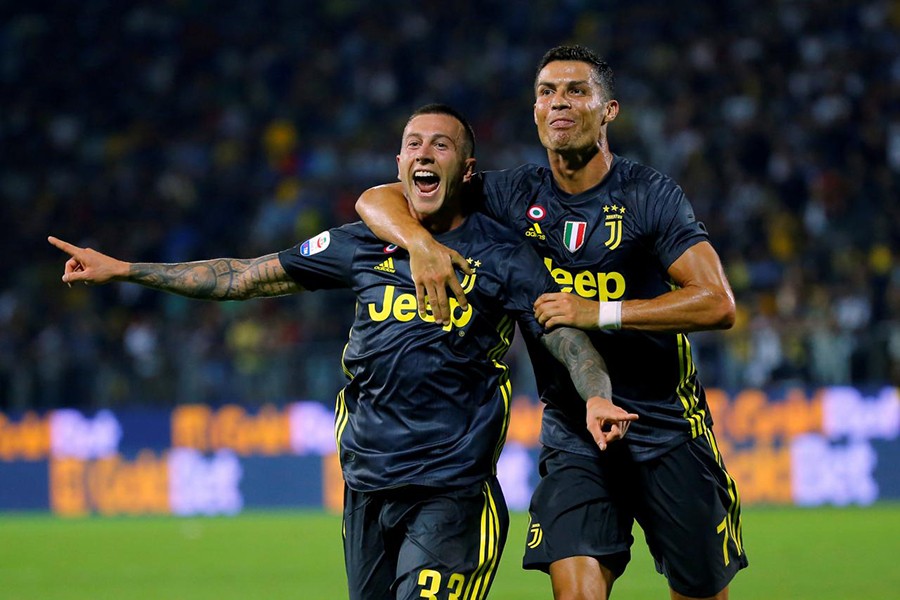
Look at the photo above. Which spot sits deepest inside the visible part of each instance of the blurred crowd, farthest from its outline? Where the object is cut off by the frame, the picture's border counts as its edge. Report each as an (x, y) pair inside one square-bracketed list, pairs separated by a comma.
[(185, 129)]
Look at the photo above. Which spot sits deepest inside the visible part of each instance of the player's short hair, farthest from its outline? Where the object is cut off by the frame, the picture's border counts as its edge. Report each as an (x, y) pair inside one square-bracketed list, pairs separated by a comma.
[(436, 108), (600, 69)]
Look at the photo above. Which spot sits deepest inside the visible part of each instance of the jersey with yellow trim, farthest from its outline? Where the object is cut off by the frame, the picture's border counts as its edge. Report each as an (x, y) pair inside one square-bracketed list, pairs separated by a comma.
[(425, 404), (614, 241)]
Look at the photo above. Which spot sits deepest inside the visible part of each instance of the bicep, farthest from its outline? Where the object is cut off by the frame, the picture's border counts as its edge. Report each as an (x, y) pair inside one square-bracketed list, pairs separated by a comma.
[(266, 276), (705, 297), (700, 266), (391, 193), (385, 210)]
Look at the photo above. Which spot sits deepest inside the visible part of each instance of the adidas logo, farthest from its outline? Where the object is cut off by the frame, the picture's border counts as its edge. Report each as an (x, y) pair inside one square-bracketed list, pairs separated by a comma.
[(535, 232), (387, 266)]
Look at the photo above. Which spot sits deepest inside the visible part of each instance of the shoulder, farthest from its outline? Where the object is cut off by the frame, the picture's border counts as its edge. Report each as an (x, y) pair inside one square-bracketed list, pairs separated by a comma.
[(482, 234), (642, 178), (527, 174), (502, 242), (343, 239), (356, 229), (356, 233), (508, 192), (491, 230)]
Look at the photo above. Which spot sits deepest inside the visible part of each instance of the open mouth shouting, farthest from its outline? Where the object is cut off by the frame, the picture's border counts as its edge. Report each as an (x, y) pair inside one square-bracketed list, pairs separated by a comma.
[(426, 182)]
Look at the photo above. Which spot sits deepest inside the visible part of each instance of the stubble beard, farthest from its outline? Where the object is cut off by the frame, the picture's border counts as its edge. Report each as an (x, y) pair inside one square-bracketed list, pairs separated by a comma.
[(559, 141)]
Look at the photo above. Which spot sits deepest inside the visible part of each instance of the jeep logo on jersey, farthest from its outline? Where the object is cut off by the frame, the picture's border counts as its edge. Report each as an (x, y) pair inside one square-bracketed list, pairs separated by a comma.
[(402, 307), (573, 235), (602, 286), (613, 222)]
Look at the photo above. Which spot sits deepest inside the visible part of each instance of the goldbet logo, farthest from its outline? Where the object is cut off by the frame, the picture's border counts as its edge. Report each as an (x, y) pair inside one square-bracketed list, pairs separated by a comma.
[(603, 286)]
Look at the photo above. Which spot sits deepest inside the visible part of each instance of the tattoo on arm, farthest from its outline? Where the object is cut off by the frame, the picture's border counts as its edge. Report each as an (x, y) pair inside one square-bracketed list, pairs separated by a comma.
[(218, 278), (573, 348)]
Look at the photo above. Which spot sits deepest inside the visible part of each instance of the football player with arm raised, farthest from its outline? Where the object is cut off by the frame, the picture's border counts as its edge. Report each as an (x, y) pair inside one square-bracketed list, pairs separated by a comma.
[(423, 418), (638, 272)]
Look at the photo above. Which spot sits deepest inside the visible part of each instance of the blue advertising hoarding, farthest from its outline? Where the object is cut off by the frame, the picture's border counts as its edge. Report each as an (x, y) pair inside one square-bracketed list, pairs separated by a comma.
[(836, 445)]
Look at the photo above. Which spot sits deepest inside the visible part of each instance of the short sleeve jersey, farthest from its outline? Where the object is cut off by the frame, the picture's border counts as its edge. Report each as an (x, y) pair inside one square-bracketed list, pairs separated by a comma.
[(614, 241), (425, 404)]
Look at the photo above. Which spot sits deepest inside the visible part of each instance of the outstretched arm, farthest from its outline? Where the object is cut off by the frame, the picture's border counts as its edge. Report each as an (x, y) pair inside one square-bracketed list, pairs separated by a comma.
[(572, 347), (215, 279), (703, 301), (386, 211)]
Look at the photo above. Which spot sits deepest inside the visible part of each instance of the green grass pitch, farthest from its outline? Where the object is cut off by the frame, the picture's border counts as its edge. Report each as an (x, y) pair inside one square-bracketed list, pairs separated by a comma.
[(795, 554)]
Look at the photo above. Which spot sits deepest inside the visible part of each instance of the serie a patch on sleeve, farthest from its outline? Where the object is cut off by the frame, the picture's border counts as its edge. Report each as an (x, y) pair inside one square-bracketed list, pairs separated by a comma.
[(316, 244)]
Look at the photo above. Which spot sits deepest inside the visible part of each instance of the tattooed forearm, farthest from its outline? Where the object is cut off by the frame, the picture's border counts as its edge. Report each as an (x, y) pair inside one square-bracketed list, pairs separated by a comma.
[(574, 349), (217, 279)]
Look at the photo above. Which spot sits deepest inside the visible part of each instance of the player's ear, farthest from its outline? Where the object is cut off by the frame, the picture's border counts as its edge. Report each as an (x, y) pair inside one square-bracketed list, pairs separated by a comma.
[(398, 169), (611, 111), (468, 169)]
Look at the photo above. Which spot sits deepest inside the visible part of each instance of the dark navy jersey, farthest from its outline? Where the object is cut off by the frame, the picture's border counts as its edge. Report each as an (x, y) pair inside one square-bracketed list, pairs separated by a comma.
[(425, 404), (612, 242)]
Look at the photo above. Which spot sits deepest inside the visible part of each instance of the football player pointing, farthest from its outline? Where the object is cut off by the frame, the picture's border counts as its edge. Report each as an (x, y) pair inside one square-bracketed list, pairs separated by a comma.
[(423, 418)]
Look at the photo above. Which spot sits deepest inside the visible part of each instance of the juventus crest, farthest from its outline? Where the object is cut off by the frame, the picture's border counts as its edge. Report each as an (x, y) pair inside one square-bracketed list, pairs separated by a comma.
[(613, 222)]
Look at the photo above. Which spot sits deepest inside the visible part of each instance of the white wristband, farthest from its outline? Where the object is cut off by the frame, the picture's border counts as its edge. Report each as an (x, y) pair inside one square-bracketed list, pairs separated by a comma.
[(609, 315)]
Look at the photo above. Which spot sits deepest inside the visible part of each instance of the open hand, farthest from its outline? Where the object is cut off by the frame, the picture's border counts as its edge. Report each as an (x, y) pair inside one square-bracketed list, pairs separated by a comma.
[(433, 267)]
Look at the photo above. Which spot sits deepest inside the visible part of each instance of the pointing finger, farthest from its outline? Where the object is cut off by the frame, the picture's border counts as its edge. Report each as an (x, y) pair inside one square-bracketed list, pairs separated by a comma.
[(63, 245)]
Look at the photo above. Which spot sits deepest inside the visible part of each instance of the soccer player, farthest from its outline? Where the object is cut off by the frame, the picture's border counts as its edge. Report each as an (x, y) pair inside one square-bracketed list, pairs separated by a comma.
[(423, 418), (638, 271)]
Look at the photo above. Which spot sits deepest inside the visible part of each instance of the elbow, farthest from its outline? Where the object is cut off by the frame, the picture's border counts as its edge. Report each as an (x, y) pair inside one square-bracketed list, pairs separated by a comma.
[(713, 310), (723, 312), (362, 203), (370, 199)]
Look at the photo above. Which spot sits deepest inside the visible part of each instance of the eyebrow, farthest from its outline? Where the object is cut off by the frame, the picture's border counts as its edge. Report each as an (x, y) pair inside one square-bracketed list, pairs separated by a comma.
[(569, 82), (421, 136)]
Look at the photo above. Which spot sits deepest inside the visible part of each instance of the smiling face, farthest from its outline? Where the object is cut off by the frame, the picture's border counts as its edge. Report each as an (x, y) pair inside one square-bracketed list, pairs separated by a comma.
[(434, 161), (570, 108)]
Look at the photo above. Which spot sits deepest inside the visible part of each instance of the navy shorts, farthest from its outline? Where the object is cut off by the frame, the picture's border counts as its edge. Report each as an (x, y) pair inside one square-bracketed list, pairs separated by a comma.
[(685, 502), (419, 542)]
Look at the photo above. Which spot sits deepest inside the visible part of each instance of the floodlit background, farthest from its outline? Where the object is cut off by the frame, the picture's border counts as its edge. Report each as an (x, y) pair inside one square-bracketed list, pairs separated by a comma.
[(181, 130)]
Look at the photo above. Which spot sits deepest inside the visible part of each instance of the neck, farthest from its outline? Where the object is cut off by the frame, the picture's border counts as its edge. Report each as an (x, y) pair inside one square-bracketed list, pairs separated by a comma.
[(450, 216), (580, 170), (436, 224)]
